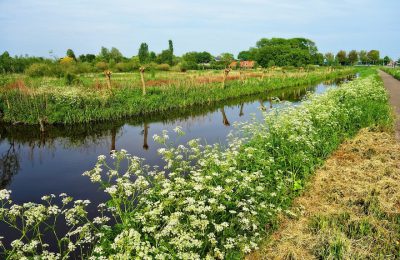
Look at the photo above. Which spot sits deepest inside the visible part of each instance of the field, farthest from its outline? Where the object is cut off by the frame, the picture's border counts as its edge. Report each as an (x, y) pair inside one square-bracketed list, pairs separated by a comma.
[(88, 98), (217, 202)]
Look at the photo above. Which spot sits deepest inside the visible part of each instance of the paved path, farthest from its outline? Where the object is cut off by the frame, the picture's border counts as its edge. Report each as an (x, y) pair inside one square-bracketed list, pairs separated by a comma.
[(393, 87)]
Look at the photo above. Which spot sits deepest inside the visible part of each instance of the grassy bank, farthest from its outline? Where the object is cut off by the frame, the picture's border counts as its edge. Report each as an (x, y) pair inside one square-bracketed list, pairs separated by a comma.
[(395, 72), (216, 202), (50, 104), (351, 208)]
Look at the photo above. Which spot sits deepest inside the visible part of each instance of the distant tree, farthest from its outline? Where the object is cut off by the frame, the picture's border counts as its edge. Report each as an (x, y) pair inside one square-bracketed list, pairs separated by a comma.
[(373, 56), (341, 57), (115, 55), (386, 60), (143, 53), (165, 57), (171, 47), (104, 54), (71, 54), (329, 58), (152, 56), (227, 58), (353, 57), (5, 62), (363, 57), (245, 55)]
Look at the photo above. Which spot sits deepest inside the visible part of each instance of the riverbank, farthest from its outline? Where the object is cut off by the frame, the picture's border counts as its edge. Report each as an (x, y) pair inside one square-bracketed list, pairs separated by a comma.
[(351, 209), (216, 202), (70, 105)]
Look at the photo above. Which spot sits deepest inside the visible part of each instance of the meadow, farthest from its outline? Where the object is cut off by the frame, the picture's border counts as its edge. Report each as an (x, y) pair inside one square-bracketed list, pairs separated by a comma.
[(88, 97), (209, 201)]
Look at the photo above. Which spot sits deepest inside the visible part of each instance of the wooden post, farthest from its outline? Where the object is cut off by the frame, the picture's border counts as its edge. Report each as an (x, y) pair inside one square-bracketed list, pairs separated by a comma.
[(108, 78), (113, 138), (226, 72), (142, 69), (263, 108)]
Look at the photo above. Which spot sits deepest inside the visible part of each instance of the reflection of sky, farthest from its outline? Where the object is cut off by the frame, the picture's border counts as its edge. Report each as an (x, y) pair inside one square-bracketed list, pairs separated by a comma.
[(213, 25), (58, 167)]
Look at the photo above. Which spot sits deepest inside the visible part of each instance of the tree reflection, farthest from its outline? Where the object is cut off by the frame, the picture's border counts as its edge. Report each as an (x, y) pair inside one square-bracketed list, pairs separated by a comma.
[(224, 118), (9, 166)]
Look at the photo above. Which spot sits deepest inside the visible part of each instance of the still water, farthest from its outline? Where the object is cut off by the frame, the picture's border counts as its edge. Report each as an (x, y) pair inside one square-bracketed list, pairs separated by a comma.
[(33, 164)]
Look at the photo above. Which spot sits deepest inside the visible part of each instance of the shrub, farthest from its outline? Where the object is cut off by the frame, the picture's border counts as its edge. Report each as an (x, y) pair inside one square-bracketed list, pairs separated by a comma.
[(101, 66), (38, 70), (163, 67)]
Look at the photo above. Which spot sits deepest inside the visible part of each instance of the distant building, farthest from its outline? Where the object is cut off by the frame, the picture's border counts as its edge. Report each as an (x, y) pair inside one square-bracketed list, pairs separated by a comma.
[(247, 64)]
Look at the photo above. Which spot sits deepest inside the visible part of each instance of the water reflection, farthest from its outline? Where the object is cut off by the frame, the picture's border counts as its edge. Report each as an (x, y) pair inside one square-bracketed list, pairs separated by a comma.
[(33, 163)]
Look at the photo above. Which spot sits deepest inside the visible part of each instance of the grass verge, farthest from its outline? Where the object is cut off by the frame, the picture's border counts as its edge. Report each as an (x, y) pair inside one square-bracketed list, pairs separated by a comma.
[(351, 209)]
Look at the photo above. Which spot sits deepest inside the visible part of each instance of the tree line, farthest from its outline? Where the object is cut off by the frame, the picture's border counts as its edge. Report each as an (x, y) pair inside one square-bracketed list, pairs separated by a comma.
[(266, 53)]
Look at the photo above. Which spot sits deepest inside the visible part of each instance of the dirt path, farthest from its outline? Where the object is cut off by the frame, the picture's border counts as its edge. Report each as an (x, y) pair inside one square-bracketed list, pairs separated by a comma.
[(393, 87)]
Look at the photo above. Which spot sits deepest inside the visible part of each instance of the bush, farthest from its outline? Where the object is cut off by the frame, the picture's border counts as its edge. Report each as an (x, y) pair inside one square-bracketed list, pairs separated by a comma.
[(101, 66), (163, 67), (38, 70)]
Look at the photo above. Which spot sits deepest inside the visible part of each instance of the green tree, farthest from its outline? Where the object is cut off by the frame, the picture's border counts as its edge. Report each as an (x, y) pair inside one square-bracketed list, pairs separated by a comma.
[(373, 56), (143, 53), (353, 57), (329, 58), (104, 54), (71, 54), (386, 60), (227, 58), (363, 57), (245, 55), (341, 57), (115, 55), (165, 57), (171, 47), (6, 62)]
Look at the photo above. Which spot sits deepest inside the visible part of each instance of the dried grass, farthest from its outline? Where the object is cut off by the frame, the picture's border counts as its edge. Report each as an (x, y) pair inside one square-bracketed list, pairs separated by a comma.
[(351, 210)]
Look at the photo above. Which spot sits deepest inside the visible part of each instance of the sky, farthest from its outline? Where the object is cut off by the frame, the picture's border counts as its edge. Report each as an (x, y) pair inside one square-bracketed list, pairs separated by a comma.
[(36, 27)]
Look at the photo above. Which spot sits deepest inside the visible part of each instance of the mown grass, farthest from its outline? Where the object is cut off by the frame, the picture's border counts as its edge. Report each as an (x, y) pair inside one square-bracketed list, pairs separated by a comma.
[(79, 104), (211, 202), (351, 208)]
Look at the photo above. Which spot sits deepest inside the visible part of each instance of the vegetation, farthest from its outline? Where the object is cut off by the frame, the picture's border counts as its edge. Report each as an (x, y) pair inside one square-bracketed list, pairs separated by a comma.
[(395, 72), (49, 101), (348, 211), (216, 202)]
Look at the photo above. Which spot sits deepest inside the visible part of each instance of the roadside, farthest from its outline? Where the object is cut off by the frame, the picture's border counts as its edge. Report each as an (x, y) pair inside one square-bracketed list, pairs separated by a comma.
[(392, 85), (351, 209)]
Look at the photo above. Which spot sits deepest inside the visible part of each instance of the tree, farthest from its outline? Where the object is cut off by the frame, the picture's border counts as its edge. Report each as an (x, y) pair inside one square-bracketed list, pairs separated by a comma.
[(104, 54), (245, 55), (171, 47), (165, 57), (386, 60), (227, 58), (152, 56), (363, 57), (329, 58), (373, 56), (115, 55), (5, 62), (341, 57), (71, 54), (143, 53), (353, 57)]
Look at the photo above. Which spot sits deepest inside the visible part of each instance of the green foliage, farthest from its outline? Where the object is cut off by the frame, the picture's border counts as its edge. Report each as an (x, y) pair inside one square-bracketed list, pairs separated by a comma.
[(143, 53), (373, 56), (353, 57), (386, 60), (330, 58), (363, 57), (341, 57), (71, 54)]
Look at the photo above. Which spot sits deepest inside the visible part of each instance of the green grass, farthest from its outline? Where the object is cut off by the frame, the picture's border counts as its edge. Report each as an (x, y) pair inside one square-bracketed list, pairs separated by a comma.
[(54, 103), (395, 72)]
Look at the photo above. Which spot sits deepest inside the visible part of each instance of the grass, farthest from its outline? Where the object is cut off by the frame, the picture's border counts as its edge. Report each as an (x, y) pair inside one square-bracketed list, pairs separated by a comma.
[(395, 72), (351, 207), (48, 101), (218, 202)]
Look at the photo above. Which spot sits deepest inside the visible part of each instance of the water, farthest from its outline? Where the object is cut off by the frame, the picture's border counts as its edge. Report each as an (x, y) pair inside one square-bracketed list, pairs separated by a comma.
[(33, 164)]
